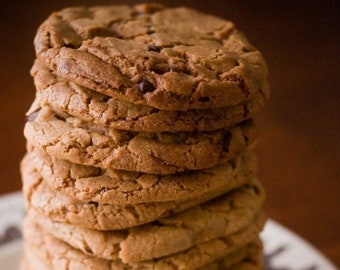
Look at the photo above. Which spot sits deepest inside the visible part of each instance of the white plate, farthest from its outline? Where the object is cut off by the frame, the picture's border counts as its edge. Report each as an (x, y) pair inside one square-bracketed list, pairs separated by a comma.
[(11, 215), (284, 250)]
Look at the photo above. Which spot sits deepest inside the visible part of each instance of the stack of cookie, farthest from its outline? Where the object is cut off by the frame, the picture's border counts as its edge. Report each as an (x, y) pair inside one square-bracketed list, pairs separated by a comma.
[(140, 142)]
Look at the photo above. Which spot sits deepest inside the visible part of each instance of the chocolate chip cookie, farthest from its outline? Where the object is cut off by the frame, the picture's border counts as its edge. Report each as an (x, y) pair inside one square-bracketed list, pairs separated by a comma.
[(109, 186), (91, 106), (167, 58), (140, 142), (60, 207), (69, 138), (56, 254)]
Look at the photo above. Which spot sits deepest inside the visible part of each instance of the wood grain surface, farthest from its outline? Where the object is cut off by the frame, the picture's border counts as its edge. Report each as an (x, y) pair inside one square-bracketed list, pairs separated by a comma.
[(299, 144)]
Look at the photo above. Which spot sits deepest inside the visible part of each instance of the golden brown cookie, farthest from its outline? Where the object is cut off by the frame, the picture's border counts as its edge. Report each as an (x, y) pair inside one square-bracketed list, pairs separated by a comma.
[(167, 58), (219, 218), (123, 187), (56, 254), (64, 96), (113, 245), (140, 142), (63, 208), (81, 142), (248, 258)]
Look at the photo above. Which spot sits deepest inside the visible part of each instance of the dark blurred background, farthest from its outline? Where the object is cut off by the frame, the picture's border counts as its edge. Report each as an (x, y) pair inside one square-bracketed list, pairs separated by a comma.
[(299, 144)]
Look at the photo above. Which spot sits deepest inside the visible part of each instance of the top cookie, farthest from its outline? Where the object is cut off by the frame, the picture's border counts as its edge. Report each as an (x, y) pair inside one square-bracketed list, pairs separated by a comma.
[(167, 58)]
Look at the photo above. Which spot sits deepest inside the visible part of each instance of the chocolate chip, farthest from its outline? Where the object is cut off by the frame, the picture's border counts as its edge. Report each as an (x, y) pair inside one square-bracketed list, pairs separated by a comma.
[(226, 141), (59, 117), (104, 32), (146, 86), (88, 250), (240, 83), (158, 71), (204, 99), (156, 223), (70, 45), (32, 116), (95, 204), (154, 48), (105, 99)]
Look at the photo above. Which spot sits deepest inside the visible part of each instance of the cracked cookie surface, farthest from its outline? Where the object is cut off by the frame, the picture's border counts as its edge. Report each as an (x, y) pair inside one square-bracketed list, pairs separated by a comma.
[(61, 207), (56, 254), (114, 245), (81, 142), (123, 187), (91, 106), (140, 142), (167, 58)]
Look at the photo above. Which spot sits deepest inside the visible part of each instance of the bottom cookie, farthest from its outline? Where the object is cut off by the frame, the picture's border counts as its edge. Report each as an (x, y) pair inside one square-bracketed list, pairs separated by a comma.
[(44, 249), (248, 258)]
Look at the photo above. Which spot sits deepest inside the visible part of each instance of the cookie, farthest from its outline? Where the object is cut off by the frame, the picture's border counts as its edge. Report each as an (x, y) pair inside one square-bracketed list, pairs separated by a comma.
[(167, 58), (87, 105), (56, 254), (196, 226), (101, 244), (248, 258), (222, 216), (123, 187), (113, 245), (63, 208), (157, 153)]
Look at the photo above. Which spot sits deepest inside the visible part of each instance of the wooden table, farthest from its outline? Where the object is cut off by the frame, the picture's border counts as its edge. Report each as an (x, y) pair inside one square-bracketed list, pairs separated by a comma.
[(298, 145)]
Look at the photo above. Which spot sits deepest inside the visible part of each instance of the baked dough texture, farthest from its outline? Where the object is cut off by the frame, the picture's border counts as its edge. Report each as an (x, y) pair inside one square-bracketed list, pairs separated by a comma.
[(167, 58), (56, 254), (141, 142), (91, 106)]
